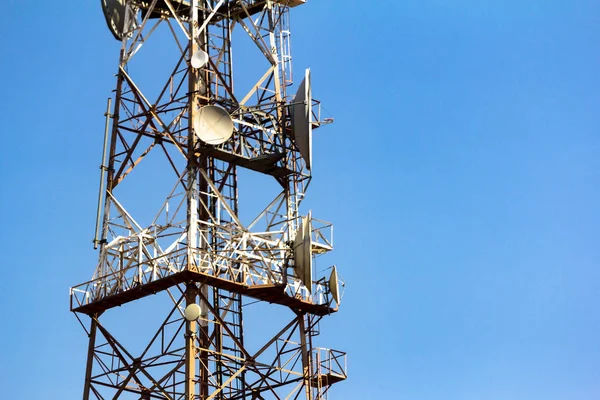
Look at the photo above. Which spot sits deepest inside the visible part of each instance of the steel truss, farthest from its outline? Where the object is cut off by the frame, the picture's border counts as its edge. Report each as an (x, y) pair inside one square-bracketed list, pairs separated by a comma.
[(196, 249)]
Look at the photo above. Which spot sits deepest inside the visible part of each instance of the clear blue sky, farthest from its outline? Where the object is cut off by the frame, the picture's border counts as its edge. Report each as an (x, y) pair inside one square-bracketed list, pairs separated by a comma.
[(462, 174)]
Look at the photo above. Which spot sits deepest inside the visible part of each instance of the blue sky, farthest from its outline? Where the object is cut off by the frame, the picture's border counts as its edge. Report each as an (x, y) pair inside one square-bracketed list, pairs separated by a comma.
[(462, 176)]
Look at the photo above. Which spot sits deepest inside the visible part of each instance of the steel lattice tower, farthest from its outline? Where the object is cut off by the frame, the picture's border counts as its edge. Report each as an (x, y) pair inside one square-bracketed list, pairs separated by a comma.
[(196, 250)]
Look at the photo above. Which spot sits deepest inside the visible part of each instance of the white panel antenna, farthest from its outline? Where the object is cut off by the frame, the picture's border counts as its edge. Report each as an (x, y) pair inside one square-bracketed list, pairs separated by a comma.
[(213, 125), (301, 119)]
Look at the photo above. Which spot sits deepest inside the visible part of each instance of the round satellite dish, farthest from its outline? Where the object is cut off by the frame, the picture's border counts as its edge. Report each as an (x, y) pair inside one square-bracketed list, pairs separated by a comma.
[(115, 12), (334, 286), (299, 253), (199, 59), (307, 241), (301, 119), (303, 252), (192, 312), (213, 125)]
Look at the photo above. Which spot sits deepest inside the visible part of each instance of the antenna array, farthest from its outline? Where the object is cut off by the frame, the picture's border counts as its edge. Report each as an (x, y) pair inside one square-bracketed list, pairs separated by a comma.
[(196, 255)]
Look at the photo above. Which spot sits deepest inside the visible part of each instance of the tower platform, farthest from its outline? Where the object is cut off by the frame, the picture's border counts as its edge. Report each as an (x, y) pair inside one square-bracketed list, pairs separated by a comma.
[(271, 293), (241, 9), (326, 379)]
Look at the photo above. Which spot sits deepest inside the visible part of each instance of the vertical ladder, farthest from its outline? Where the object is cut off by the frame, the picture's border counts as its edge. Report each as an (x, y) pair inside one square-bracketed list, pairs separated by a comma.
[(219, 49), (229, 304), (232, 357), (283, 36), (224, 176)]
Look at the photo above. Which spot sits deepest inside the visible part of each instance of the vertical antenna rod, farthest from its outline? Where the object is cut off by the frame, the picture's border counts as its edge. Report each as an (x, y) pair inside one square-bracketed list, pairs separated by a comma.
[(108, 116)]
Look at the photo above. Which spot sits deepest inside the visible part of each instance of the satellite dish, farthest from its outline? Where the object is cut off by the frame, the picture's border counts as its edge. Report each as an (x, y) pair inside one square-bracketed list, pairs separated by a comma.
[(213, 125), (307, 242), (333, 285), (192, 312), (303, 252), (115, 12), (199, 59), (299, 250), (301, 116)]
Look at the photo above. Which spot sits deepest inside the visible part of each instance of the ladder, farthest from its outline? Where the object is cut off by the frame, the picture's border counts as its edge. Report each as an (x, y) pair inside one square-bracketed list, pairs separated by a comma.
[(230, 357)]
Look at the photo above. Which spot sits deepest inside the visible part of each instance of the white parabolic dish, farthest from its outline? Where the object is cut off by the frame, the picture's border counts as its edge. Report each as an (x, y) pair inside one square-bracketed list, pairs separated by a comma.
[(299, 251), (115, 12), (303, 252), (308, 271), (213, 125), (199, 59), (192, 312), (301, 115), (333, 285)]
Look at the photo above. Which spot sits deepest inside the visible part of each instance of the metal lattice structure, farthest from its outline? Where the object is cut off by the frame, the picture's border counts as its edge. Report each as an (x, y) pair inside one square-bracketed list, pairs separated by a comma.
[(196, 250)]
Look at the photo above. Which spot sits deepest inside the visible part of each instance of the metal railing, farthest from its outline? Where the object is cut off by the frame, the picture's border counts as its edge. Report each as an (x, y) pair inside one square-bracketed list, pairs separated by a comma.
[(329, 362)]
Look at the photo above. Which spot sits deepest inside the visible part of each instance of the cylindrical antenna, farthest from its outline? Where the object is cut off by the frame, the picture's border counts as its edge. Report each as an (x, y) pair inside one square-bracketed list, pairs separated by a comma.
[(103, 169)]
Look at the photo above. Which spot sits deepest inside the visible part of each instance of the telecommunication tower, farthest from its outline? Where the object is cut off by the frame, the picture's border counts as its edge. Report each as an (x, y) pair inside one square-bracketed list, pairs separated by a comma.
[(195, 260)]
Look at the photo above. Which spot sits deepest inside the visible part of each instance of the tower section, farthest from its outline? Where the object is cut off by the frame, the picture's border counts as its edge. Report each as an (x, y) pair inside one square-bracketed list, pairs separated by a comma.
[(191, 298)]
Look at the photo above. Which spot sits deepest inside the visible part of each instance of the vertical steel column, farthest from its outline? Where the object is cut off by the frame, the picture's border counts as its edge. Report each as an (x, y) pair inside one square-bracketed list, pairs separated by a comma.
[(90, 359), (306, 369), (192, 207), (192, 166), (190, 347)]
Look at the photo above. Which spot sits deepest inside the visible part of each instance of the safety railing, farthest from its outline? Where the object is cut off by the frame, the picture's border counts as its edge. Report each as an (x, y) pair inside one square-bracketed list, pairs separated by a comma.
[(328, 362)]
